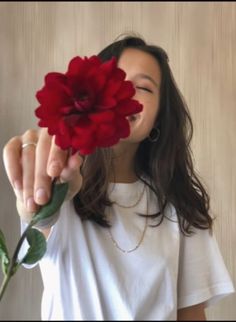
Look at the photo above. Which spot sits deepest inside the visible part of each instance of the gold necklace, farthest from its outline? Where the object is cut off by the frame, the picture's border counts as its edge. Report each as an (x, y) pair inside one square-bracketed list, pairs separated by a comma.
[(140, 197), (141, 239)]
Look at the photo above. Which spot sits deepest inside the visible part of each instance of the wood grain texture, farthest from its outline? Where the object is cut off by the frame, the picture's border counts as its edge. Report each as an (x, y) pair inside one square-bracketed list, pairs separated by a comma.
[(200, 39)]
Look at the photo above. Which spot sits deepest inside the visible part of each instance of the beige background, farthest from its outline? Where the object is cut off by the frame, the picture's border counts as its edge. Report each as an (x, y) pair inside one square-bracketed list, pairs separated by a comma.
[(200, 38)]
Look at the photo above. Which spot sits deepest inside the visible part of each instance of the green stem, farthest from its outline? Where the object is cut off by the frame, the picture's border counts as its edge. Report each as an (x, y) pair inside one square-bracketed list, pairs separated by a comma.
[(14, 264), (4, 285)]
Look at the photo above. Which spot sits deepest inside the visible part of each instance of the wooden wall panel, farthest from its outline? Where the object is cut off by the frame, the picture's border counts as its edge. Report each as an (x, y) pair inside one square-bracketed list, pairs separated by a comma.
[(200, 38)]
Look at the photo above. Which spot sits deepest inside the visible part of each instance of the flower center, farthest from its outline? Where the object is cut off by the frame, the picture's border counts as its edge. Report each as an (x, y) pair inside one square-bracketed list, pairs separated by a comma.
[(82, 102)]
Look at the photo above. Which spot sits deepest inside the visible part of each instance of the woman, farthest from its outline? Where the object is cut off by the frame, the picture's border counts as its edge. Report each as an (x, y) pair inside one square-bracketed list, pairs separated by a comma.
[(133, 241)]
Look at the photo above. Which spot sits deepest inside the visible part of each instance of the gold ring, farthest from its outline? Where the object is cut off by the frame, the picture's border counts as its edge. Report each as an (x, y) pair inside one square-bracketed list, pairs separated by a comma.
[(28, 143)]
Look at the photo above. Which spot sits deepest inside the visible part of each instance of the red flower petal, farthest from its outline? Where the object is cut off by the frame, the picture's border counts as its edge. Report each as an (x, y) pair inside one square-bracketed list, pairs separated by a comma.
[(123, 127), (55, 78), (63, 141), (108, 67), (76, 67), (54, 96), (85, 150), (128, 107), (83, 139), (102, 117), (126, 91), (94, 61), (105, 103), (96, 81), (118, 75), (111, 88), (106, 133)]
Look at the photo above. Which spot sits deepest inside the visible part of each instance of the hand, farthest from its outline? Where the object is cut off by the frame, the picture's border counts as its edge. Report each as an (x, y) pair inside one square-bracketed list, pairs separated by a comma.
[(30, 170)]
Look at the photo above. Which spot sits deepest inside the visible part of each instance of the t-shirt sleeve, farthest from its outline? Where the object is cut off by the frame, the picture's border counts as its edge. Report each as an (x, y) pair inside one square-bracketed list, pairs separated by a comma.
[(203, 276)]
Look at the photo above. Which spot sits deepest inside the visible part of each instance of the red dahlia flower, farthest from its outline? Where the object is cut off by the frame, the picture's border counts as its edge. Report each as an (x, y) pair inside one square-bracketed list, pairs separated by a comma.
[(87, 107)]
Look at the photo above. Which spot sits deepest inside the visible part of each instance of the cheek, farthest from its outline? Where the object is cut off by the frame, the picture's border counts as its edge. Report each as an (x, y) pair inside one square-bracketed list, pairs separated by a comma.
[(150, 112), (142, 128), (147, 122)]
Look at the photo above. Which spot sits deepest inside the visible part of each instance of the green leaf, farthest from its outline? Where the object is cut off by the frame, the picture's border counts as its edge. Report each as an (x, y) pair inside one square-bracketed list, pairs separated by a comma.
[(4, 257), (59, 192), (38, 246)]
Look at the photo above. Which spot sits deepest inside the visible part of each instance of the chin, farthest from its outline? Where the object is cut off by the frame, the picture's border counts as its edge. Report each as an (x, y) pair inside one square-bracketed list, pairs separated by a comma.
[(137, 130), (133, 138)]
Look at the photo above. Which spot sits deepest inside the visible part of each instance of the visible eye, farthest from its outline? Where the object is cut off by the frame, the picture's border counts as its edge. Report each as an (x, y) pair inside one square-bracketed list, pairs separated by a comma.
[(144, 89)]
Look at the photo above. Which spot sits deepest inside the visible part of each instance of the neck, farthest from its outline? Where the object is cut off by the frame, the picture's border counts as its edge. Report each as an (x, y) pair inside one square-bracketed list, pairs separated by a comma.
[(123, 163)]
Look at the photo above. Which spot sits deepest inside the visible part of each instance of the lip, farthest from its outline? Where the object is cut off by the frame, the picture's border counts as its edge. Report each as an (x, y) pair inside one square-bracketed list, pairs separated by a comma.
[(132, 118)]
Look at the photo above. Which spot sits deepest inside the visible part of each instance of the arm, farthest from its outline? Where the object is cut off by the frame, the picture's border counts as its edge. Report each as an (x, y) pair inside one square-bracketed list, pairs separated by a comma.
[(192, 313)]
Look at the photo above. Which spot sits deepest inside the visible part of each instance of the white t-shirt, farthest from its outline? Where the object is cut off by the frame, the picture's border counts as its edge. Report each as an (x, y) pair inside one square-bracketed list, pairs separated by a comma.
[(86, 277)]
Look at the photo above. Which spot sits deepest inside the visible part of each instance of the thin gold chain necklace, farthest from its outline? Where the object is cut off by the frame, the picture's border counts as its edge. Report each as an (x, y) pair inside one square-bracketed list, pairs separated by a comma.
[(135, 204), (142, 236)]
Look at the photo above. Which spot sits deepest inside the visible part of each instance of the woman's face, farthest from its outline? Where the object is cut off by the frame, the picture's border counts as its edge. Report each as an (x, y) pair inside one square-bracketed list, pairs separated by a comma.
[(144, 72)]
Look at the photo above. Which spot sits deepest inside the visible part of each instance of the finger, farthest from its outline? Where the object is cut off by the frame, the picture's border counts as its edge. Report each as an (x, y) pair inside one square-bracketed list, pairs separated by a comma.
[(12, 163), (28, 168), (57, 160), (75, 161), (71, 173), (42, 182), (73, 166)]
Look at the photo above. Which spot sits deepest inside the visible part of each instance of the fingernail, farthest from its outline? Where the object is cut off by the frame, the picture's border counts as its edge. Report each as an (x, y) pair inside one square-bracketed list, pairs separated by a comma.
[(31, 207), (41, 196)]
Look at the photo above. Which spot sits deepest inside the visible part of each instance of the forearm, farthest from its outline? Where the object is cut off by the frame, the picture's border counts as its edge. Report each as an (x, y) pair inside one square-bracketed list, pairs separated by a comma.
[(192, 313)]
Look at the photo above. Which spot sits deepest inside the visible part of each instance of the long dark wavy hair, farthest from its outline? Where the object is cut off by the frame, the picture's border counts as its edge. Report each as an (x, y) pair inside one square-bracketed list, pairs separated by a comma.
[(167, 163)]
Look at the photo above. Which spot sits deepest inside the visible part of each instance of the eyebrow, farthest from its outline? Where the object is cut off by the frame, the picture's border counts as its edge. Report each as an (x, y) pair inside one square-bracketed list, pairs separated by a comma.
[(145, 76)]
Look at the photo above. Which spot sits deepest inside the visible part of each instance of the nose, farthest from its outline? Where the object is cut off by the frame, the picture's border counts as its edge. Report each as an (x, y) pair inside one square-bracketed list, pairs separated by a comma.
[(135, 92)]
